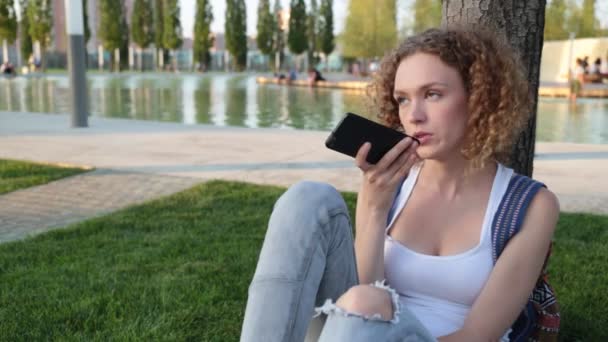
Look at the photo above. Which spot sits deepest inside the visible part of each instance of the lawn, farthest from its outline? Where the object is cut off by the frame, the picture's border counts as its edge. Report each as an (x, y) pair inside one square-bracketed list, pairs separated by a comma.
[(178, 268), (16, 175)]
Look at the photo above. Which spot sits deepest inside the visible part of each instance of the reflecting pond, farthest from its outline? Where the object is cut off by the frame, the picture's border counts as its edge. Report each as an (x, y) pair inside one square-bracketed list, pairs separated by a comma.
[(236, 100)]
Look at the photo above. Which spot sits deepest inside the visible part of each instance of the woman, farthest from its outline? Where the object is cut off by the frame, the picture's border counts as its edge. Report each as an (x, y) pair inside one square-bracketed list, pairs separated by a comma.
[(420, 268)]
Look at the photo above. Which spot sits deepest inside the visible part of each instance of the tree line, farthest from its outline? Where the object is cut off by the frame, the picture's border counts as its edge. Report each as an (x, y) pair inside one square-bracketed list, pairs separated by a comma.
[(158, 22), (370, 27)]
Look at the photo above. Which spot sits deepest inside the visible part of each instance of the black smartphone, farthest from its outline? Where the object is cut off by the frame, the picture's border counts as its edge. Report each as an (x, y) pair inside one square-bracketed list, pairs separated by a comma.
[(354, 130)]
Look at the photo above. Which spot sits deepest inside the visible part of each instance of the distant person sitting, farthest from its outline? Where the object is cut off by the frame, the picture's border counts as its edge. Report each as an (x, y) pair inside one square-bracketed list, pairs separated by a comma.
[(314, 76), (293, 74), (594, 75), (279, 76)]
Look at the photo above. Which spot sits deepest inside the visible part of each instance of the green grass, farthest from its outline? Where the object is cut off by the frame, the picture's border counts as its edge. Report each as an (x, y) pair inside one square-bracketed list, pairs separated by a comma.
[(16, 175), (178, 268)]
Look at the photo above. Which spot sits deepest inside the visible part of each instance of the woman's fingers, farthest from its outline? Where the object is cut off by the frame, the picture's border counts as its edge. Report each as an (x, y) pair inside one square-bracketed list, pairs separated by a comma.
[(402, 160), (404, 169), (394, 153), (361, 157)]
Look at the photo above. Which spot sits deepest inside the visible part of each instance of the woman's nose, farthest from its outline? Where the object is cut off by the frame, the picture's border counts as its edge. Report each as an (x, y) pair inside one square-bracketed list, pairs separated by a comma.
[(415, 113)]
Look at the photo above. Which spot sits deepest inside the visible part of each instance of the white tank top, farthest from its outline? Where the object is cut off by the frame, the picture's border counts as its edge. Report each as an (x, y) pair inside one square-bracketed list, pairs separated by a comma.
[(440, 290)]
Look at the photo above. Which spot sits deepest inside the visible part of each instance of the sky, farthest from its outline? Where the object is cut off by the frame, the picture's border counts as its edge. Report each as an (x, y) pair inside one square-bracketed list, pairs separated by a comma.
[(340, 11)]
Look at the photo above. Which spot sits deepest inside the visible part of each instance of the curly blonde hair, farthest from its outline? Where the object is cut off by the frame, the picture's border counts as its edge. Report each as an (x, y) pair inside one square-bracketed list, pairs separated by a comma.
[(499, 103)]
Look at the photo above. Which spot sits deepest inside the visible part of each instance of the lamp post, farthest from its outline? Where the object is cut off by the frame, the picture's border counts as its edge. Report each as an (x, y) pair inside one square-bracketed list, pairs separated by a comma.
[(76, 62)]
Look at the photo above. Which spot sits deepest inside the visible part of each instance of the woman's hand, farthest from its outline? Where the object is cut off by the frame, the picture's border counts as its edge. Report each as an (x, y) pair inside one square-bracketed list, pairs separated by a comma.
[(380, 181)]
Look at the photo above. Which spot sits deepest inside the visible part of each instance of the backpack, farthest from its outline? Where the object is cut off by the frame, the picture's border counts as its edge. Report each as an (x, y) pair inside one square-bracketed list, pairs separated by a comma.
[(539, 321)]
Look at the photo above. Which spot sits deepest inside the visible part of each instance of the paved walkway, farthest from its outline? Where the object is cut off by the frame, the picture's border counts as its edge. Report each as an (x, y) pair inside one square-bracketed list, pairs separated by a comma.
[(162, 158), (73, 199)]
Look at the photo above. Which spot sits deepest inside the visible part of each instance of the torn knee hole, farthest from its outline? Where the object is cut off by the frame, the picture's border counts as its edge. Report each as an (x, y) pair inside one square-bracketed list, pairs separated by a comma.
[(345, 308)]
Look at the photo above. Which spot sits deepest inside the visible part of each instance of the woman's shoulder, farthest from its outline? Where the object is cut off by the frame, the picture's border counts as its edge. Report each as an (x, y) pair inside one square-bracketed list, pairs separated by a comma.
[(544, 204), (543, 199)]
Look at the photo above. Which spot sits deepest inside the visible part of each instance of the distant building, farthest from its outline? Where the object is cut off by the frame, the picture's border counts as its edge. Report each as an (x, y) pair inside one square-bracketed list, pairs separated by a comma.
[(59, 42)]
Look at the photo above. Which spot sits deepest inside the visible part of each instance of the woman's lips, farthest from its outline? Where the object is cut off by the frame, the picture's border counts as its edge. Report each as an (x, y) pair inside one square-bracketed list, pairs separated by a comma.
[(423, 137)]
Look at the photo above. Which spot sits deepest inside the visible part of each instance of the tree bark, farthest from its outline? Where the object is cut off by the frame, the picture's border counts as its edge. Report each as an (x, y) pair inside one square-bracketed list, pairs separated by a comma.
[(140, 64), (161, 59), (523, 23), (117, 60)]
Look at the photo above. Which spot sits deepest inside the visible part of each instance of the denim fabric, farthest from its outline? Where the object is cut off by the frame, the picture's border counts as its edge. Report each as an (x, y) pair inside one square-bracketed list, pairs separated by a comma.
[(307, 261)]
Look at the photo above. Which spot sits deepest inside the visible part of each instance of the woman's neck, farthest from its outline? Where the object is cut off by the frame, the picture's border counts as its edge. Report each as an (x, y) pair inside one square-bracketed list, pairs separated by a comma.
[(449, 178)]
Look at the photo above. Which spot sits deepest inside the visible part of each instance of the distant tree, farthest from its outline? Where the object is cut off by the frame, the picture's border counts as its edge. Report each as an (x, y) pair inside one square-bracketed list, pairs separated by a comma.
[(312, 32), (111, 28), (278, 35), (85, 21), (266, 28), (40, 16), (296, 37), (590, 26), (159, 33), (25, 39), (326, 30), (370, 29), (124, 39), (427, 14), (236, 32), (8, 25), (555, 20), (203, 39), (172, 35), (141, 26)]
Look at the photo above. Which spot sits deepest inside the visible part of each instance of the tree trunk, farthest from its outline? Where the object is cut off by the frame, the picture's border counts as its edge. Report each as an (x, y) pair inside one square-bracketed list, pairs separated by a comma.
[(174, 58), (4, 51), (161, 59), (100, 57), (43, 61), (155, 59), (131, 58), (523, 23), (277, 62), (140, 52), (117, 60)]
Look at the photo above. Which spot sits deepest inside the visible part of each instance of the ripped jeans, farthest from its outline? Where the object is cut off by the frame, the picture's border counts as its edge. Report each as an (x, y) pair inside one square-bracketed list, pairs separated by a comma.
[(307, 261)]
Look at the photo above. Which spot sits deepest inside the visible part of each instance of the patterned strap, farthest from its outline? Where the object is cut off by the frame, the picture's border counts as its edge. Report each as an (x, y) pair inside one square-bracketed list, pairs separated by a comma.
[(511, 212), (507, 222)]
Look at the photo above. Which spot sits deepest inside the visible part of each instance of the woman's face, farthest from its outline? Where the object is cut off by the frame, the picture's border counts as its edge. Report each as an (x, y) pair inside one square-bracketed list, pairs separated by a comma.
[(432, 104)]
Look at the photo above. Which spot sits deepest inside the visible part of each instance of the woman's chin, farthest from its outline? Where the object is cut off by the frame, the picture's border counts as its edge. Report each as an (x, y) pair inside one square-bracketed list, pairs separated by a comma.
[(424, 153)]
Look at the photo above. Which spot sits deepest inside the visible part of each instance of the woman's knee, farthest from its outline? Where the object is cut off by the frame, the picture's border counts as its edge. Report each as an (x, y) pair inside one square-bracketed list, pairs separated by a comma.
[(367, 300), (309, 195)]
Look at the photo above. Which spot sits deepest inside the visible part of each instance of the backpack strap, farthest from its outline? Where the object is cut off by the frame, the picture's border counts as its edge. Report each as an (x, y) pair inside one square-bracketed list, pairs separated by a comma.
[(512, 211), (507, 222)]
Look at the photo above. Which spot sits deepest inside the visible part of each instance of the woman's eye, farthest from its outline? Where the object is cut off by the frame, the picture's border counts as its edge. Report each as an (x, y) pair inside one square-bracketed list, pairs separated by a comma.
[(433, 95), (401, 100)]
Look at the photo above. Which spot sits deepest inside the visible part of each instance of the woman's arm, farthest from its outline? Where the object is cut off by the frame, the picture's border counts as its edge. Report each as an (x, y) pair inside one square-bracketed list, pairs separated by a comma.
[(374, 200), (369, 241), (514, 276)]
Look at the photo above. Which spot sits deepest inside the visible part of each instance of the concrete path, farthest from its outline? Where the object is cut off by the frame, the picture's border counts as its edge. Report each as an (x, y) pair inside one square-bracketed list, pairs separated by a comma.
[(190, 154)]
